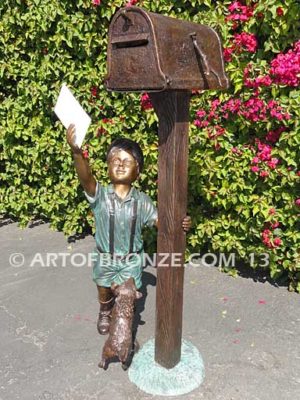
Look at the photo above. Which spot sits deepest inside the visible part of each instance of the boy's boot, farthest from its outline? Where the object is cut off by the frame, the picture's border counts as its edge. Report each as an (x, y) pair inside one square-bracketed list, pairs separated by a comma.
[(106, 300)]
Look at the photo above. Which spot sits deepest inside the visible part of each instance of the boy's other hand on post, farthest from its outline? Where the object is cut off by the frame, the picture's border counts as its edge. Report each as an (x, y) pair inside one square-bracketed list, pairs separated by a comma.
[(187, 223), (71, 136)]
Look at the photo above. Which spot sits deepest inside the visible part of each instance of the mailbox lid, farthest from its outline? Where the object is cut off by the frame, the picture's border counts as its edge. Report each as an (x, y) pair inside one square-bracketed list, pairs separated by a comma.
[(191, 54)]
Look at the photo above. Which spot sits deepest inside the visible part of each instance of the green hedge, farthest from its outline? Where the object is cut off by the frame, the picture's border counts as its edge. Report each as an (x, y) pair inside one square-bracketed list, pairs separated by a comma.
[(244, 142)]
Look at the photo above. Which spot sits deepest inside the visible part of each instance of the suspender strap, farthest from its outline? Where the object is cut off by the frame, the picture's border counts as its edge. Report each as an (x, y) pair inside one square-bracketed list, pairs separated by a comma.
[(133, 225), (111, 223)]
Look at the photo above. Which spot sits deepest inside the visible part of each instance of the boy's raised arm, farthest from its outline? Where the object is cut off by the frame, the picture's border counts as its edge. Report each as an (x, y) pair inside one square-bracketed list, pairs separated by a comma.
[(82, 167)]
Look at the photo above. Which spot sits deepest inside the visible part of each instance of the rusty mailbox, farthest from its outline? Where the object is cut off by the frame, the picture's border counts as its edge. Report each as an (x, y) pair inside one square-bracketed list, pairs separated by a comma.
[(151, 52)]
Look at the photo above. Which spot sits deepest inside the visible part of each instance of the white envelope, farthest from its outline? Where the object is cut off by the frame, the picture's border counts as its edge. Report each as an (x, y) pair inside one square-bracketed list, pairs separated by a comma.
[(69, 111)]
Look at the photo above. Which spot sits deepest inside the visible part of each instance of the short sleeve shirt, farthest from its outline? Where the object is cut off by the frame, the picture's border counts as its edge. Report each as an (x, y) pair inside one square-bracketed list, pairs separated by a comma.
[(100, 203), (108, 270)]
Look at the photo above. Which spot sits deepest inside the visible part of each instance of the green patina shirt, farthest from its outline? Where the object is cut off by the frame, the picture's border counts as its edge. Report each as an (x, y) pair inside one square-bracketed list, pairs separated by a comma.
[(107, 269)]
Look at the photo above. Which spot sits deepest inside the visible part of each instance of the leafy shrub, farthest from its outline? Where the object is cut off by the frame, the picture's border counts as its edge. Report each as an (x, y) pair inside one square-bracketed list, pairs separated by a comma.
[(244, 142)]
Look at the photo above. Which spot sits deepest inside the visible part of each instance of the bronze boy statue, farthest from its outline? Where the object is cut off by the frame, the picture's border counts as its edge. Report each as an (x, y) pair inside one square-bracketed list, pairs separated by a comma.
[(120, 212)]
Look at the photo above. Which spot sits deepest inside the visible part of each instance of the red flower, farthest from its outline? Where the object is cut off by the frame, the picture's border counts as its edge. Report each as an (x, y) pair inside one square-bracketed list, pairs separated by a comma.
[(272, 211), (94, 91), (107, 121), (85, 153), (96, 2), (101, 131), (145, 102), (279, 11), (277, 242)]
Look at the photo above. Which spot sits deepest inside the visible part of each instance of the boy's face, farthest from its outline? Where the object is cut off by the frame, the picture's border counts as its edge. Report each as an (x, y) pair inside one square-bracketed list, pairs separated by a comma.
[(122, 167)]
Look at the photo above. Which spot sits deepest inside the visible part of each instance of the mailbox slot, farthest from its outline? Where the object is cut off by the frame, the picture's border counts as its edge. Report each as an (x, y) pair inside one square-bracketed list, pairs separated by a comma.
[(130, 40)]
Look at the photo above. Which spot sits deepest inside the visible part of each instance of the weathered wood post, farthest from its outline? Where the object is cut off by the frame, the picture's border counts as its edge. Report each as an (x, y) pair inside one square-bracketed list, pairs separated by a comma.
[(167, 58), (172, 108)]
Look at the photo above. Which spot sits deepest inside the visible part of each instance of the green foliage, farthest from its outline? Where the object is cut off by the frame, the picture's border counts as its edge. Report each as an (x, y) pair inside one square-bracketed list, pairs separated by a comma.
[(44, 44)]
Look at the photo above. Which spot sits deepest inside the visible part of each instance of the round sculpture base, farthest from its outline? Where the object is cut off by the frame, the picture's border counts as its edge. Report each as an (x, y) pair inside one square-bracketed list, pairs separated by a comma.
[(150, 377)]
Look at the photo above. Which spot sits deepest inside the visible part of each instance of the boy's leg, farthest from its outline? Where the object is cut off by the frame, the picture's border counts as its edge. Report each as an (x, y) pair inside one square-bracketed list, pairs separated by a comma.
[(106, 300)]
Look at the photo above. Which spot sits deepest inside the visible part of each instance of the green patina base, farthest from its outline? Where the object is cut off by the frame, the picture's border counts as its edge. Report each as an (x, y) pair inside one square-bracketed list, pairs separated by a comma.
[(150, 377)]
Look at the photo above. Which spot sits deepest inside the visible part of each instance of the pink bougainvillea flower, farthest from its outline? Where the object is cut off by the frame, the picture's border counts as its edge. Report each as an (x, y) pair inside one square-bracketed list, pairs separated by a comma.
[(146, 102), (255, 169), (277, 242), (297, 202), (234, 6), (232, 105), (273, 136), (239, 12), (273, 162), (285, 68), (201, 113), (246, 41), (258, 82), (261, 301), (131, 3), (266, 238), (96, 2), (265, 150), (275, 225), (227, 53), (264, 174)]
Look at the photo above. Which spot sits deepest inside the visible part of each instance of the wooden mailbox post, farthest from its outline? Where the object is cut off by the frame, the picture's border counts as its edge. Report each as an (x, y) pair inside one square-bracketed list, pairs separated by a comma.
[(167, 58)]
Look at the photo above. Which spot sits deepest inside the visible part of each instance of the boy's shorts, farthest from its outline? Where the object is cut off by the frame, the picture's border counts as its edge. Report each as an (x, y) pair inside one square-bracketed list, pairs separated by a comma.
[(108, 269)]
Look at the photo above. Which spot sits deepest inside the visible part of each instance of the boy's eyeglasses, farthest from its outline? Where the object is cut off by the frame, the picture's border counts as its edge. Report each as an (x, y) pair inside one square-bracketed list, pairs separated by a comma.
[(125, 163)]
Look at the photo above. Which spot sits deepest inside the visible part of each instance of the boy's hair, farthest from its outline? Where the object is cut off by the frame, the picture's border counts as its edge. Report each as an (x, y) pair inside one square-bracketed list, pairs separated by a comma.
[(131, 147)]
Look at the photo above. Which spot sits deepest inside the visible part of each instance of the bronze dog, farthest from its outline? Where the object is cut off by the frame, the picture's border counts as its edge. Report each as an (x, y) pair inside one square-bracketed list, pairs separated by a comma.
[(119, 341)]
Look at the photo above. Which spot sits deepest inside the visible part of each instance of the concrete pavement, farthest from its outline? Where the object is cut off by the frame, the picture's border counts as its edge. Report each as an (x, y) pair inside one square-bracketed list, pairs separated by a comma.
[(247, 332)]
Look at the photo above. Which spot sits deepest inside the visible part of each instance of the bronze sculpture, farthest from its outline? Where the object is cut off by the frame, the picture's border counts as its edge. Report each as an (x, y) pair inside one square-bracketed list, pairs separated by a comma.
[(119, 341), (120, 213), (167, 58)]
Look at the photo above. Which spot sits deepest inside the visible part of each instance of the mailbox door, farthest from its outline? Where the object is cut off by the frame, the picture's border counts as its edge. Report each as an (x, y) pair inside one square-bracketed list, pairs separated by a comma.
[(132, 53)]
